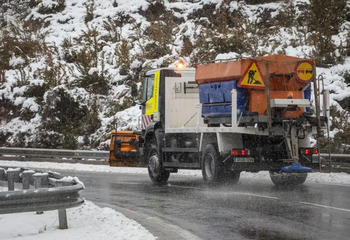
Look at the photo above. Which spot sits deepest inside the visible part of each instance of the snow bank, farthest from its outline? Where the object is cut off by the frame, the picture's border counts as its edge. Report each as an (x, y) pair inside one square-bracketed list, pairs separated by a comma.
[(85, 222)]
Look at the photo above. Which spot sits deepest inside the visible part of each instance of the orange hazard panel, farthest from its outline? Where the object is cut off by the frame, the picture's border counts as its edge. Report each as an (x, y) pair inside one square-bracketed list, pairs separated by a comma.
[(124, 149)]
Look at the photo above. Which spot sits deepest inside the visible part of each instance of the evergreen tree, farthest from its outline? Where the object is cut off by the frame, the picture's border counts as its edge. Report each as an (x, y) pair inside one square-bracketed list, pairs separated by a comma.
[(324, 18)]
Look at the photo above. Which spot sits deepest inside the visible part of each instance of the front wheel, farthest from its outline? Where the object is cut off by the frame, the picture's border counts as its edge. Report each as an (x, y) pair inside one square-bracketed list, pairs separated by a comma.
[(155, 170), (210, 164), (287, 179)]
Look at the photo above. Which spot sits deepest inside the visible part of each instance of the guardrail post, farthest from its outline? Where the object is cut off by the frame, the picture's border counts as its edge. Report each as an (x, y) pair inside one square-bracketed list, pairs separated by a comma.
[(62, 213), (2, 173), (45, 180), (37, 180), (27, 178), (12, 176), (37, 184), (62, 219)]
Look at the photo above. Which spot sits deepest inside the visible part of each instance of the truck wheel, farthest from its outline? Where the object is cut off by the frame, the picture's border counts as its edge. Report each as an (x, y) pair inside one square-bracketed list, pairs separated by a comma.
[(287, 179), (210, 164), (155, 171)]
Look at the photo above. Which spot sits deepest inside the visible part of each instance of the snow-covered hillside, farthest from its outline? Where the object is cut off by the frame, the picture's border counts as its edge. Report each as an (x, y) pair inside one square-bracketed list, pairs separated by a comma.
[(67, 66)]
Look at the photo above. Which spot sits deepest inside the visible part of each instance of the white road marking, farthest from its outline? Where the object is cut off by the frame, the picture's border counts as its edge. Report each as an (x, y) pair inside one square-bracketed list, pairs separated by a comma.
[(129, 183), (178, 186), (174, 228), (233, 193), (158, 224), (325, 206), (257, 195)]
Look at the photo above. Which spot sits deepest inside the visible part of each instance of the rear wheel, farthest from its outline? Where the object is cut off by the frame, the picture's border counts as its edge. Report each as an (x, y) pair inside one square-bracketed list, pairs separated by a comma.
[(287, 179), (155, 170)]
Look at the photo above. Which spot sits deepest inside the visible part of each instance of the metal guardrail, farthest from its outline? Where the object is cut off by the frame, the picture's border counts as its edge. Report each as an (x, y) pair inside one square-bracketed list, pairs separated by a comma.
[(338, 163), (55, 155), (51, 192)]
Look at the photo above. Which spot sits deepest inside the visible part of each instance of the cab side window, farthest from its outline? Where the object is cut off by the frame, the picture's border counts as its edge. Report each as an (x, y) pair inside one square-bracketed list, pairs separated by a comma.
[(148, 88)]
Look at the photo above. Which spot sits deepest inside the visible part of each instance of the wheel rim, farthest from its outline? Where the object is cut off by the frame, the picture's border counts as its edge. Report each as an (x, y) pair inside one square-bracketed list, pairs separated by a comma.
[(154, 164), (209, 165)]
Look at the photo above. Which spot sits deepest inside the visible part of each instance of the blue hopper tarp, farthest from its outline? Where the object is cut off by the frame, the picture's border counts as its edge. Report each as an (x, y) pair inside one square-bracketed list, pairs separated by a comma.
[(296, 168)]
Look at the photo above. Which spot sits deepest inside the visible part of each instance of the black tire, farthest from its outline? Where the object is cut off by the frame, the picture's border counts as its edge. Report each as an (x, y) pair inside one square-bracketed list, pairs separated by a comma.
[(155, 170), (287, 179), (210, 164)]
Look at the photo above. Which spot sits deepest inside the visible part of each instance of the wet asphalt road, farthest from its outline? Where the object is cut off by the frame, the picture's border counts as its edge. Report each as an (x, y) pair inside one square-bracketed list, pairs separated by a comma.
[(186, 208)]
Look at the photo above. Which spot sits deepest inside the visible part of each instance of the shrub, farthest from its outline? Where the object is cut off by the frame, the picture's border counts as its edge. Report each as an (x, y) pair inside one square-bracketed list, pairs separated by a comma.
[(346, 76), (69, 141), (16, 8), (255, 2), (324, 51), (20, 41), (161, 36), (94, 83), (154, 12), (62, 113), (8, 110), (287, 15), (187, 47), (3, 138), (52, 7), (36, 91), (324, 18), (340, 143), (66, 117), (113, 29), (47, 139), (122, 51), (90, 8)]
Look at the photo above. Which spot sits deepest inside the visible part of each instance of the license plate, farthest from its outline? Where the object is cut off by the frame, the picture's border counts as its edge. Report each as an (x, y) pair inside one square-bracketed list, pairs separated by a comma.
[(243, 159)]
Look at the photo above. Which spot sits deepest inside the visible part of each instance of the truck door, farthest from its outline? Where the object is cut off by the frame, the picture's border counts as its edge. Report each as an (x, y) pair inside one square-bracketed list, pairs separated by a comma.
[(150, 97)]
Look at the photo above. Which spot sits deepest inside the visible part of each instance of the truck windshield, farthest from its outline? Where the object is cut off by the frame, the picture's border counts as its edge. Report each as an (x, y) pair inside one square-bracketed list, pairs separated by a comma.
[(148, 88)]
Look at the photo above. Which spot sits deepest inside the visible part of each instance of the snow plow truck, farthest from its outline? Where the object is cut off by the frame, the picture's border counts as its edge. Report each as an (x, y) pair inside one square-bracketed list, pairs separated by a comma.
[(226, 117)]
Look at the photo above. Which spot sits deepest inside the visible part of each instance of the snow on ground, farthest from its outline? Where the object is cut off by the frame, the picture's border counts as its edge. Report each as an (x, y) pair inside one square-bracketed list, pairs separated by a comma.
[(92, 222), (85, 222)]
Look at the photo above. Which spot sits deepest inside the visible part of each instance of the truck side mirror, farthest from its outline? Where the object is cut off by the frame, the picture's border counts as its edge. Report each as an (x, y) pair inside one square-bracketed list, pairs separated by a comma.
[(134, 90)]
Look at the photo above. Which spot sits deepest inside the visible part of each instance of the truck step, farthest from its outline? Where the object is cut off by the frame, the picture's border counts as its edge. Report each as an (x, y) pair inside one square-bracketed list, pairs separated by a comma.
[(181, 165), (180, 150)]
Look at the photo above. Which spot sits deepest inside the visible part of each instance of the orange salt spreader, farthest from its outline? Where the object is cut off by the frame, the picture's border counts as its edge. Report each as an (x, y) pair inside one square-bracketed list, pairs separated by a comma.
[(289, 78), (124, 149)]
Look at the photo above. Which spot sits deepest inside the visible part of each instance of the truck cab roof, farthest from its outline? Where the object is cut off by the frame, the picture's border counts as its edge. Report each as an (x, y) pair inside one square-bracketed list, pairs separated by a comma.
[(185, 72)]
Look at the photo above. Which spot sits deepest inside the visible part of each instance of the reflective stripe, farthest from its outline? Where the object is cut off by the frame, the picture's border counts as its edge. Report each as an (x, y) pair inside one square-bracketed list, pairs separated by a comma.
[(146, 120)]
